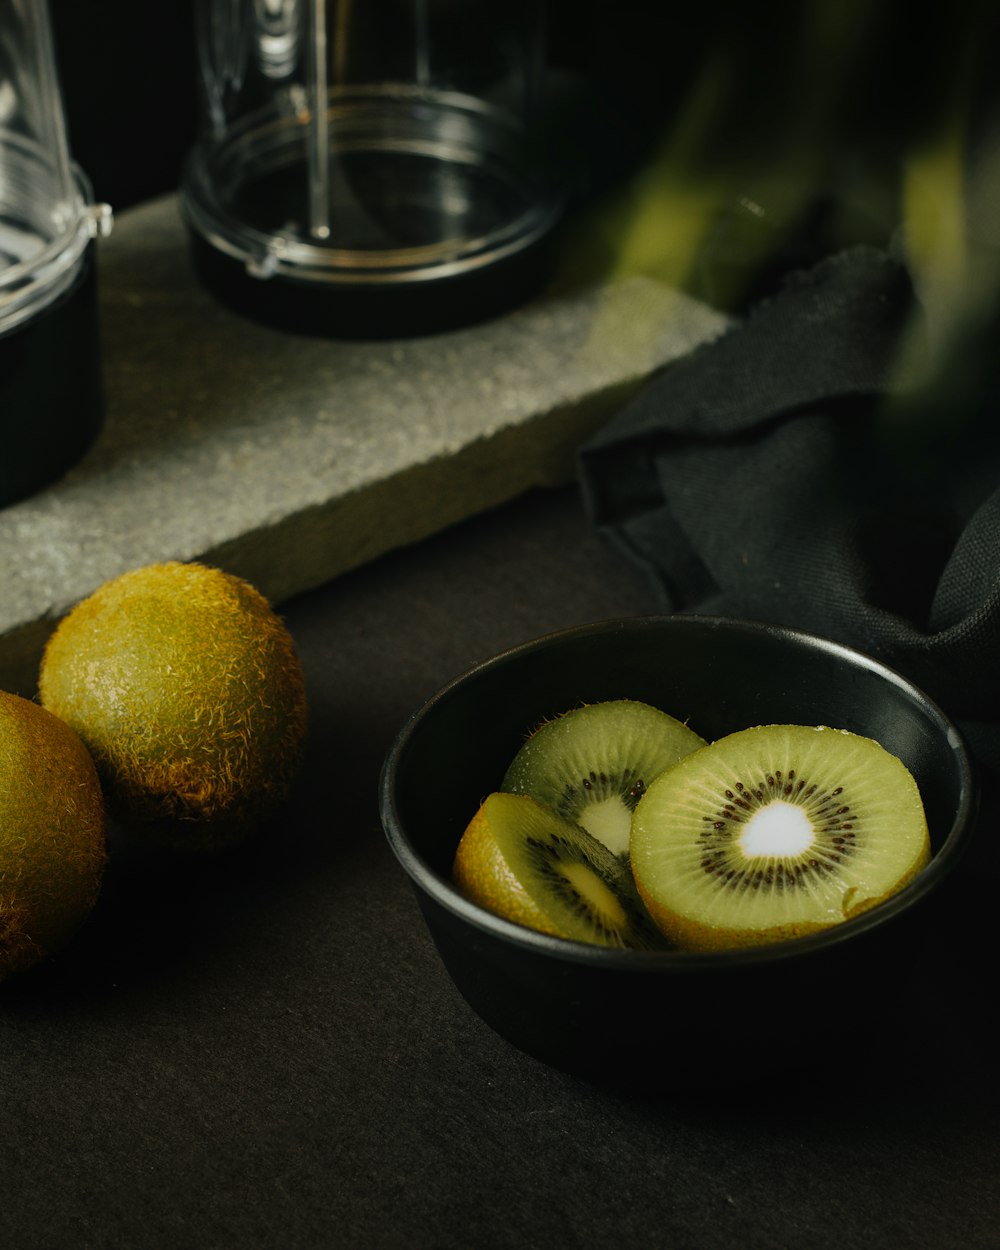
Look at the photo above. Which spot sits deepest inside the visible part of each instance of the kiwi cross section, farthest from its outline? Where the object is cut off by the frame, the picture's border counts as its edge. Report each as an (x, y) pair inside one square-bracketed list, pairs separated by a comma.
[(593, 763), (522, 861), (775, 832), (769, 833)]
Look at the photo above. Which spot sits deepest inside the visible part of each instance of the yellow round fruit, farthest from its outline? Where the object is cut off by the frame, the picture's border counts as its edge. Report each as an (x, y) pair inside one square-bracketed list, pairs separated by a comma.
[(52, 833), (186, 687)]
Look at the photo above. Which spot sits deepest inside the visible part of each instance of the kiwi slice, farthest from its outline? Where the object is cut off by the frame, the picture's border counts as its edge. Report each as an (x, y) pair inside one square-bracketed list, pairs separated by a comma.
[(521, 861), (592, 764), (774, 832)]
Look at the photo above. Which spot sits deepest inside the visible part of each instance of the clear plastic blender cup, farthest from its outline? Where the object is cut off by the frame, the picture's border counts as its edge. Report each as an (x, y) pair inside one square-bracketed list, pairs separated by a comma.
[(50, 393), (372, 165)]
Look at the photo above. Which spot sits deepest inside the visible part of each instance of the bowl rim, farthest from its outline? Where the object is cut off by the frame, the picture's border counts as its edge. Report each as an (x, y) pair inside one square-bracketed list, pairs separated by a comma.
[(443, 893)]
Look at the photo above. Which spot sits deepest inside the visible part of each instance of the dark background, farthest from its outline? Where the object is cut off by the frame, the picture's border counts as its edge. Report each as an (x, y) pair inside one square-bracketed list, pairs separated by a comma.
[(811, 112), (889, 76), (128, 81)]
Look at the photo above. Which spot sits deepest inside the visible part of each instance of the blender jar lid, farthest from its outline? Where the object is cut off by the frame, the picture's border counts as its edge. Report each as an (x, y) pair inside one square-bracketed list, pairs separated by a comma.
[(43, 231)]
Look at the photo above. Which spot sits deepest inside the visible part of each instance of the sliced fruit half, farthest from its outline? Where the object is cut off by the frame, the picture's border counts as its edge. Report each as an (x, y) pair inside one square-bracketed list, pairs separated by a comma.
[(593, 764), (521, 861), (775, 832)]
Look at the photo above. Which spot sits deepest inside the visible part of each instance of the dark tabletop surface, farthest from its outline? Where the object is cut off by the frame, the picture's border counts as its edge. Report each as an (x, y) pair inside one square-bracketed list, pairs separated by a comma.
[(264, 1050)]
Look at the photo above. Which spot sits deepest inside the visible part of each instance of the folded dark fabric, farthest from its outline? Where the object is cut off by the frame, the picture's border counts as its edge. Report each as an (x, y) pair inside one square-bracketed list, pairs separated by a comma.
[(776, 474)]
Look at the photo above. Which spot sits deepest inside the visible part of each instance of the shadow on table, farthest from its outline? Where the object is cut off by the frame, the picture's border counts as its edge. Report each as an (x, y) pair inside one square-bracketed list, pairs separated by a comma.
[(165, 919)]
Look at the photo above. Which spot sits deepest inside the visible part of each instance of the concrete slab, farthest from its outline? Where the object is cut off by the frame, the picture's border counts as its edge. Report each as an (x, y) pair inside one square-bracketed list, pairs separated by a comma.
[(290, 460)]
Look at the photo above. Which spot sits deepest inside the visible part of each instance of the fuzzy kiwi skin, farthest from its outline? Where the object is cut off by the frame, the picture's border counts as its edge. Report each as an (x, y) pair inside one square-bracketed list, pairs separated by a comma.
[(186, 688), (52, 834)]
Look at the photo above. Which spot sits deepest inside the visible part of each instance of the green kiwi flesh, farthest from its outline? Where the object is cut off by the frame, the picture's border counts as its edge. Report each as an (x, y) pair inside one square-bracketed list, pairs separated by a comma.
[(521, 861), (592, 764), (775, 832)]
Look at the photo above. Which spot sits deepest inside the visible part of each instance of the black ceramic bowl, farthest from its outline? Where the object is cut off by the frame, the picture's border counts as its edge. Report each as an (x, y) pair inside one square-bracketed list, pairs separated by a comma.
[(599, 1011)]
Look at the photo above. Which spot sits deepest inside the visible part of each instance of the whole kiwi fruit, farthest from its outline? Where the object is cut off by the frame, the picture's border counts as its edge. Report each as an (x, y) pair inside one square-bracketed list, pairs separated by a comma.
[(187, 689), (52, 834)]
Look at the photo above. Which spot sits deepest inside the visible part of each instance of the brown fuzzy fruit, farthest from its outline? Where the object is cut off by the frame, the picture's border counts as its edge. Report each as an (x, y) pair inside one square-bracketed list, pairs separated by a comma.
[(52, 850), (186, 688)]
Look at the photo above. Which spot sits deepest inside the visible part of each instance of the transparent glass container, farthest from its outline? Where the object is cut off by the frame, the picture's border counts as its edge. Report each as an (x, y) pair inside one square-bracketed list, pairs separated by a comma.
[(384, 156), (50, 401)]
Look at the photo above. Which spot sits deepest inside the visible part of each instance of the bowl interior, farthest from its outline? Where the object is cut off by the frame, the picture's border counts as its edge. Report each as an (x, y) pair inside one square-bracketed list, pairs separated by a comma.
[(717, 675)]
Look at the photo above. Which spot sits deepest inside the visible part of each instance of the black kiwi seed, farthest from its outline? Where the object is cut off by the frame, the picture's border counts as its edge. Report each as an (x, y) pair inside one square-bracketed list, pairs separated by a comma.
[(548, 858), (709, 883), (593, 764), (835, 838), (577, 887)]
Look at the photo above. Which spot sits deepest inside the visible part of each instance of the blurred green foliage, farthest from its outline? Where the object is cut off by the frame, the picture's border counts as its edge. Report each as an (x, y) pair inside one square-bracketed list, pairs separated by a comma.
[(724, 146)]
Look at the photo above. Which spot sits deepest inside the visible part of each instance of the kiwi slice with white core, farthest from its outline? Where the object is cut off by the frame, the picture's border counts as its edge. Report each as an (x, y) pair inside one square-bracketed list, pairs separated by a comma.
[(592, 764), (775, 832), (521, 861)]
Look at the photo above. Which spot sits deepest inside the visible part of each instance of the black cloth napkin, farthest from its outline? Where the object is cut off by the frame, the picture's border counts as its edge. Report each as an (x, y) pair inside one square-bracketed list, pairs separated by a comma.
[(780, 474)]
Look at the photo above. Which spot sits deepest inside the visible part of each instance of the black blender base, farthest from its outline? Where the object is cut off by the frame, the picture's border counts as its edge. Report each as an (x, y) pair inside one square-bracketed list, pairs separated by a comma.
[(51, 390), (384, 310)]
